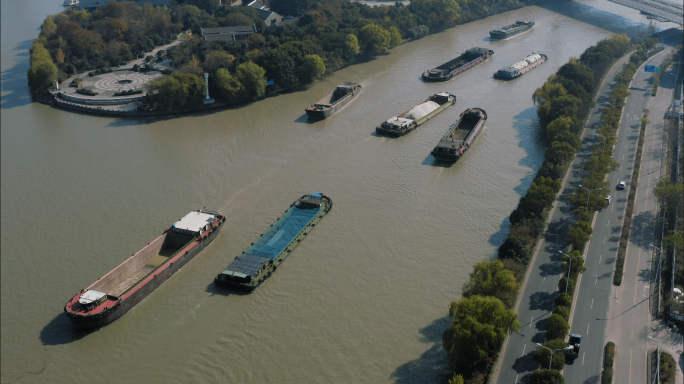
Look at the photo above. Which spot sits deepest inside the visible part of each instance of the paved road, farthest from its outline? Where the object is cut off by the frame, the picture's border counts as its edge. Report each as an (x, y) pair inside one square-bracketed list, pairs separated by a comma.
[(536, 301), (660, 9), (633, 307), (590, 316)]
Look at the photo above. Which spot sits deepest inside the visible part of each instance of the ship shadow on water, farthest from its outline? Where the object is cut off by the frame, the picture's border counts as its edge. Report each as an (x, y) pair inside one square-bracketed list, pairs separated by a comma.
[(224, 291), (431, 366), (60, 331)]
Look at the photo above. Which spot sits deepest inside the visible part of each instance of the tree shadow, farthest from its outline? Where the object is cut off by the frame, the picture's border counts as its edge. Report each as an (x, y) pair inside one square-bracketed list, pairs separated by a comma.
[(610, 260), (641, 233), (606, 275), (432, 365), (525, 364), (14, 80), (550, 269), (644, 275), (60, 331), (542, 301), (593, 380), (539, 337)]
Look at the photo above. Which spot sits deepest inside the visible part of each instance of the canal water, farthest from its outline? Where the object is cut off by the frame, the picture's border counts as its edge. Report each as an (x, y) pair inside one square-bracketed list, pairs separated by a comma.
[(363, 299)]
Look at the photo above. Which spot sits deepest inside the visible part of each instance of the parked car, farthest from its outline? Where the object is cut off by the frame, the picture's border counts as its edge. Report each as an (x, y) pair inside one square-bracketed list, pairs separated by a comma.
[(621, 185)]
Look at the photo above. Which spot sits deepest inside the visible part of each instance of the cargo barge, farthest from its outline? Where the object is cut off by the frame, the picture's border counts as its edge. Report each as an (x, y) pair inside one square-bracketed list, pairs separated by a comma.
[(261, 259), (414, 117), (521, 67), (460, 135), (117, 292), (332, 103), (455, 67), (511, 30)]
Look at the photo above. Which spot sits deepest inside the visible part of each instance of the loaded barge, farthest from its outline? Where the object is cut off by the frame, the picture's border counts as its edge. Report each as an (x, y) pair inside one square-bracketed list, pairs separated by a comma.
[(455, 67), (257, 263), (511, 30), (461, 135), (332, 103), (521, 67), (117, 292), (414, 117)]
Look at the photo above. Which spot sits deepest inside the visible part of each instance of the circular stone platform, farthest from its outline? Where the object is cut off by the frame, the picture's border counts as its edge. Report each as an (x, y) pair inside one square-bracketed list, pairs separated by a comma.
[(116, 83)]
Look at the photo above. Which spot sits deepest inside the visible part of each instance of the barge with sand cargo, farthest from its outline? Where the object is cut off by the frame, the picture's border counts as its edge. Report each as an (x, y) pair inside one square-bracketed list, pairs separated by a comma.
[(455, 67), (460, 136), (332, 103), (262, 258), (521, 67), (117, 292), (511, 30), (414, 117)]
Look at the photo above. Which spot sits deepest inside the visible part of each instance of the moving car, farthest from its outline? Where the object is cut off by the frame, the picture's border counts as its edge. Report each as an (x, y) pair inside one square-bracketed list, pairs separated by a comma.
[(621, 185), (608, 200)]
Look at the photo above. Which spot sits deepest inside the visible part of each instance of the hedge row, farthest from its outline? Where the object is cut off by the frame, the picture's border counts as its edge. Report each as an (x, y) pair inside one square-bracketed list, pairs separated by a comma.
[(608, 359)]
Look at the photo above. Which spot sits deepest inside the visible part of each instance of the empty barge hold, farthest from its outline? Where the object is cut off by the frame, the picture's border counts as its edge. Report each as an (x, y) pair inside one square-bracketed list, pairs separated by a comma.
[(413, 118), (111, 296), (257, 263), (511, 30), (461, 135), (332, 103), (455, 67), (521, 67)]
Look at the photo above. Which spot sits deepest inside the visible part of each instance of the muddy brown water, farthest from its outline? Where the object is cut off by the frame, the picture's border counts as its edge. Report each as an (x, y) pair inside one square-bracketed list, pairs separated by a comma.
[(363, 299)]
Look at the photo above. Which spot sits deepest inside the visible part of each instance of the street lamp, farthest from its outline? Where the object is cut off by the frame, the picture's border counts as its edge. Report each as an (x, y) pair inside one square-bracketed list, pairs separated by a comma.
[(552, 351), (606, 139), (567, 282), (659, 278), (619, 105), (658, 365), (589, 191)]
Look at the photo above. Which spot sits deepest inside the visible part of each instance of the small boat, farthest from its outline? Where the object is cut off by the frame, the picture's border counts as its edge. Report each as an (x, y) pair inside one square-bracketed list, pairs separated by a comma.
[(521, 67), (416, 116), (511, 30), (117, 292), (460, 135), (262, 258), (332, 103), (455, 67)]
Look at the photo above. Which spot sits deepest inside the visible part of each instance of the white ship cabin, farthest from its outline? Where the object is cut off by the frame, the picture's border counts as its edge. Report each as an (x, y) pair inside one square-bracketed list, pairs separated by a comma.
[(397, 123), (194, 223), (92, 298)]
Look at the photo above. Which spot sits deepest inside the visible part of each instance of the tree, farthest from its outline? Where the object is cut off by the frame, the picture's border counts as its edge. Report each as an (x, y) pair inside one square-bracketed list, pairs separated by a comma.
[(546, 376), (351, 44), (579, 234), (577, 261), (513, 248), (542, 355), (374, 39), (550, 90), (216, 60), (457, 379), (110, 29), (311, 69), (192, 67), (670, 194), (280, 67), (227, 86), (481, 323), (166, 93), (49, 28), (559, 152), (490, 278), (194, 87), (42, 72), (562, 312), (556, 327), (563, 281), (252, 77), (560, 125), (395, 37)]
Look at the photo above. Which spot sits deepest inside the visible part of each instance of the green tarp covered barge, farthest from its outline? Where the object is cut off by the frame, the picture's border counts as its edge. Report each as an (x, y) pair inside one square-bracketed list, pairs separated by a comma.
[(257, 263)]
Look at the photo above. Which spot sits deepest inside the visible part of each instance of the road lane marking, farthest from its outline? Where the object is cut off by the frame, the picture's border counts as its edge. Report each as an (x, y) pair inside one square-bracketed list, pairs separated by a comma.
[(609, 220), (544, 276), (600, 259), (538, 294), (592, 303), (531, 322), (596, 280), (604, 239), (588, 328), (630, 366), (583, 358), (524, 346), (636, 278)]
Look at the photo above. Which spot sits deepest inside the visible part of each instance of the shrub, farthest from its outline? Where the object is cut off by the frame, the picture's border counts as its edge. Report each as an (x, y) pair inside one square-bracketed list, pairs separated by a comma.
[(166, 71), (87, 92), (609, 354), (542, 355), (136, 67), (514, 249), (546, 376), (556, 327), (563, 299), (562, 312), (607, 376), (562, 283), (667, 368)]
